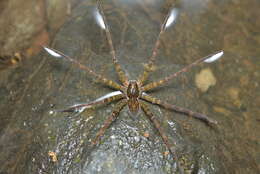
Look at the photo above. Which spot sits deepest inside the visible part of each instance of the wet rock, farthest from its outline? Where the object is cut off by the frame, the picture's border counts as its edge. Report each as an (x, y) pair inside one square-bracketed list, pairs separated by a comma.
[(234, 96), (20, 21), (29, 131), (26, 26)]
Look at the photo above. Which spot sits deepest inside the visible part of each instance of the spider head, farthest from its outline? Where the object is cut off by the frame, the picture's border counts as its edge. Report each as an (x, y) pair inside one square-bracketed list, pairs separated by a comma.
[(132, 89)]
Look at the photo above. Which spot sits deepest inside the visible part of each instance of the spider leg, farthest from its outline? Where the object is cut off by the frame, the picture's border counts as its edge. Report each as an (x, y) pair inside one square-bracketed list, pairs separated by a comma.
[(166, 105), (101, 19), (208, 59), (99, 77), (156, 123), (102, 100), (119, 106), (169, 19)]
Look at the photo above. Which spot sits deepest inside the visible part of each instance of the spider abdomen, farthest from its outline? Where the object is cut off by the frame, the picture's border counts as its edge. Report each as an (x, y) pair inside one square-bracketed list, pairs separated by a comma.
[(133, 106)]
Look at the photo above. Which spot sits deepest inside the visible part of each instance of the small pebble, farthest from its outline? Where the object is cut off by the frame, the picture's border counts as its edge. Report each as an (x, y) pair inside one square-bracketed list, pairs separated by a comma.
[(205, 79)]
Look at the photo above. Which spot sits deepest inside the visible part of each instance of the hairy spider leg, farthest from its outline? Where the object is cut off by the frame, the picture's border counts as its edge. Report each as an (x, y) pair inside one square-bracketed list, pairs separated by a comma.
[(208, 59), (118, 107), (99, 77), (169, 19), (81, 107), (166, 105), (165, 139), (122, 76)]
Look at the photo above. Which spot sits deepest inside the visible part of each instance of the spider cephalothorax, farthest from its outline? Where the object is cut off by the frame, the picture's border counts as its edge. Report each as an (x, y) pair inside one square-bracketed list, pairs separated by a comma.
[(133, 93)]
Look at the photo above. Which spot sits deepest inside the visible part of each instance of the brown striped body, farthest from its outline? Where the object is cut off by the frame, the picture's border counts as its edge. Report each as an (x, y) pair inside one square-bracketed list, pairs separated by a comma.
[(133, 96)]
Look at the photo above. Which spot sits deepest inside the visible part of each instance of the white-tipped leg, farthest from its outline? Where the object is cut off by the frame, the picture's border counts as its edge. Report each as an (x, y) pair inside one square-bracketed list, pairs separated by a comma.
[(99, 19), (171, 18), (52, 52), (214, 57), (116, 95)]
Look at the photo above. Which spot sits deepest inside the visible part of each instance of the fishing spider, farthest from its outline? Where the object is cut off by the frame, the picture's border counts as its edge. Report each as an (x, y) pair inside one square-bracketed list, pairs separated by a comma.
[(133, 92)]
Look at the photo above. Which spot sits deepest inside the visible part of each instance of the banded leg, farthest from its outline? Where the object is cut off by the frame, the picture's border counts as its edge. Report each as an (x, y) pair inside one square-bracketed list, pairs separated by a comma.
[(100, 78), (178, 109), (113, 96), (101, 19), (156, 123), (208, 59), (169, 19), (119, 106)]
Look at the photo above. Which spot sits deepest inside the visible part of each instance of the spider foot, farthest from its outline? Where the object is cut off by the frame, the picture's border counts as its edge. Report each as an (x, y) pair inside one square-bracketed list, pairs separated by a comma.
[(78, 108)]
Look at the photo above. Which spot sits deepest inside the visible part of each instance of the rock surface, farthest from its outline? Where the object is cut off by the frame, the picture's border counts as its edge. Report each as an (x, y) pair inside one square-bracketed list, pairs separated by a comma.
[(29, 131)]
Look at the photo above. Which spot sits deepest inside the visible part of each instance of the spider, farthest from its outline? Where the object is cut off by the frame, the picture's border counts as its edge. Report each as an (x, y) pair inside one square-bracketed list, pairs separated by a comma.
[(132, 93)]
